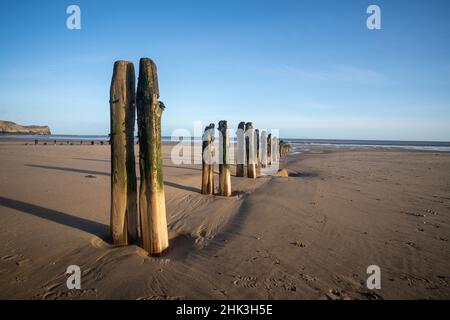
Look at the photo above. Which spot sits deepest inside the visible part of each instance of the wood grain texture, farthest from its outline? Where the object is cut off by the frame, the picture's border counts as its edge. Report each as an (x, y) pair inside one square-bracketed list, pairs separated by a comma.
[(152, 205), (124, 220), (224, 160), (250, 150), (208, 160), (240, 150)]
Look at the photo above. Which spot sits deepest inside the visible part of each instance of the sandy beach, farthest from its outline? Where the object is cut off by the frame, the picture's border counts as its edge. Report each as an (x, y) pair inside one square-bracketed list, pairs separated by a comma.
[(311, 235)]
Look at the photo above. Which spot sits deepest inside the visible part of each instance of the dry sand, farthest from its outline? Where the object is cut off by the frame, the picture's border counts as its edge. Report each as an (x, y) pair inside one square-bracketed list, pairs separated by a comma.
[(309, 236)]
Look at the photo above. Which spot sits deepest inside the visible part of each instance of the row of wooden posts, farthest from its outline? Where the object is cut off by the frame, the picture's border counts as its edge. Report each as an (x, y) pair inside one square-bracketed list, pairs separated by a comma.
[(252, 150), (146, 224)]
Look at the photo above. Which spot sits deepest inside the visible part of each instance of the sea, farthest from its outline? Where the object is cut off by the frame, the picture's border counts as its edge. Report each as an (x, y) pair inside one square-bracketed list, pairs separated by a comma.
[(298, 145)]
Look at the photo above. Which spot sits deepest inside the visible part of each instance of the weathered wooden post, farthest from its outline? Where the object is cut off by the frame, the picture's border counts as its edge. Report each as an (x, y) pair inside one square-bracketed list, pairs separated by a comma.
[(250, 150), (224, 160), (152, 204), (269, 149), (240, 150), (263, 149), (257, 148), (284, 148), (124, 226), (208, 160), (275, 152)]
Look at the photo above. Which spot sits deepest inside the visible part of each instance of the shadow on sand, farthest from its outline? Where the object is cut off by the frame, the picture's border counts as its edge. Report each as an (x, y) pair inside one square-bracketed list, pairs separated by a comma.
[(99, 173), (164, 165), (99, 229)]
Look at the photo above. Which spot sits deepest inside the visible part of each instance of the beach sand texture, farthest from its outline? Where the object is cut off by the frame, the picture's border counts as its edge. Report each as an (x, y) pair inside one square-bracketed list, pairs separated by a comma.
[(311, 235)]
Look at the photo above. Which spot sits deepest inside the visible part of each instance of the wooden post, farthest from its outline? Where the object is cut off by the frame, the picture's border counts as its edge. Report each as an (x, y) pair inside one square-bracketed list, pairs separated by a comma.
[(124, 226), (152, 204), (212, 154), (269, 149), (257, 148), (208, 160), (224, 160), (263, 148), (250, 150), (240, 150), (284, 148), (275, 152)]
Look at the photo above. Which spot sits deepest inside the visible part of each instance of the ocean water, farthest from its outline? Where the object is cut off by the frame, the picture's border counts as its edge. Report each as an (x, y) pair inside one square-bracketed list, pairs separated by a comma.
[(299, 145)]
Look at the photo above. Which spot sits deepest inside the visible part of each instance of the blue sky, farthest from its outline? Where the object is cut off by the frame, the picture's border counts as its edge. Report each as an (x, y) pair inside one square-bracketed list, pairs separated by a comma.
[(308, 68)]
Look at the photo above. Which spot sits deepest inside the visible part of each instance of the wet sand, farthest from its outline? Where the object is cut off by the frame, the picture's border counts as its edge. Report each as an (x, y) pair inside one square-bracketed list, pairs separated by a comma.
[(309, 236)]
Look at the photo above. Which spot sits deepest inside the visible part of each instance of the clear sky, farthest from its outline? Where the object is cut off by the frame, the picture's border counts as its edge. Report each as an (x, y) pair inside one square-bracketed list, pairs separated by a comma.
[(311, 69)]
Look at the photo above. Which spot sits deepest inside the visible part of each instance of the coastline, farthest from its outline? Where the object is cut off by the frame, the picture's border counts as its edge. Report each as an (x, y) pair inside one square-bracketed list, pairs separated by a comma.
[(297, 144)]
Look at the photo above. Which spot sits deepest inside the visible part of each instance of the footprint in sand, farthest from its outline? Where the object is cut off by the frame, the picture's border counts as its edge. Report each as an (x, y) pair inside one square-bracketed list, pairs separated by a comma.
[(280, 283), (160, 297), (298, 244), (307, 277), (431, 212), (272, 283), (23, 262), (246, 282), (336, 294), (290, 287), (72, 294), (371, 296), (9, 257), (411, 244), (20, 279)]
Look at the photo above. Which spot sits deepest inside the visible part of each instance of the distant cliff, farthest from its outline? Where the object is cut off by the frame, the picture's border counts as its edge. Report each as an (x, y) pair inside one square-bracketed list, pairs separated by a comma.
[(8, 127)]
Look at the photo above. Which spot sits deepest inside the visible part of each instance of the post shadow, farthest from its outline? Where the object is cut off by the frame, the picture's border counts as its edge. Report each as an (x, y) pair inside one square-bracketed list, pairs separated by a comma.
[(92, 172), (96, 228), (99, 173), (164, 165)]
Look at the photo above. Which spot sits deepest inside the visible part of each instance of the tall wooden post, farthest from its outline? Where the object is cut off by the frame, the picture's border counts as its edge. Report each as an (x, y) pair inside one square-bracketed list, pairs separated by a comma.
[(250, 150), (208, 160), (240, 150), (269, 149), (257, 148), (124, 219), (275, 152), (152, 204), (263, 149), (284, 148), (224, 160)]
